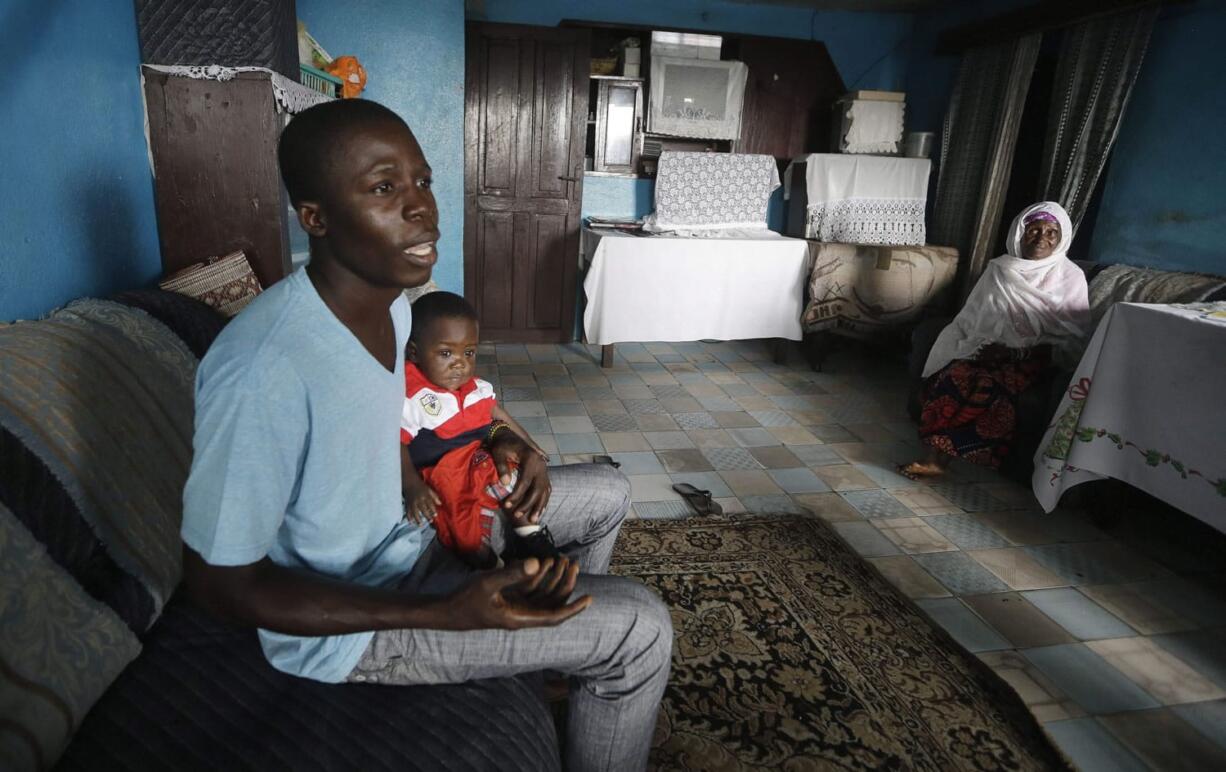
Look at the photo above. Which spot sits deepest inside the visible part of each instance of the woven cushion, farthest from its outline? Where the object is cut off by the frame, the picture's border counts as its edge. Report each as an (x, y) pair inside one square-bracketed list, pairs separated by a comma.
[(225, 283), (96, 445), (59, 649), (202, 696), (195, 323)]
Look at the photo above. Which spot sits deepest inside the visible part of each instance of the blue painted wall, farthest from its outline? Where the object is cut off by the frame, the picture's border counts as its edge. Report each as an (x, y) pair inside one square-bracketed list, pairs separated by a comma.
[(1164, 200), (870, 50), (76, 194), (622, 197), (617, 196), (414, 58)]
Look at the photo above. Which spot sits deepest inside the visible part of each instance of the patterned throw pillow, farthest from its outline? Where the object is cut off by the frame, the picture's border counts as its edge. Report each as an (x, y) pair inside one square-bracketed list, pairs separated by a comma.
[(225, 283), (60, 649)]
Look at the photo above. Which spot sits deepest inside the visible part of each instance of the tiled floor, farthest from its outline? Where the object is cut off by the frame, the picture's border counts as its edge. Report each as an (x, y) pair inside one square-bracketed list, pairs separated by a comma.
[(1116, 640)]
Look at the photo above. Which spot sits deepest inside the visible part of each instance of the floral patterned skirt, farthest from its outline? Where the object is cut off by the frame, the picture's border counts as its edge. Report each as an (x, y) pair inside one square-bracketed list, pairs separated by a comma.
[(970, 408)]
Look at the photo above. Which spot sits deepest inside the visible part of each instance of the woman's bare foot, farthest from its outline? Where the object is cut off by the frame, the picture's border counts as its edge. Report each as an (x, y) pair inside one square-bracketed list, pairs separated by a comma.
[(918, 469), (933, 465)]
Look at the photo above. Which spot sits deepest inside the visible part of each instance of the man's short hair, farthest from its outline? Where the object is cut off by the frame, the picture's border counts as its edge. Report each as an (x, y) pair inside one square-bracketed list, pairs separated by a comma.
[(305, 147), (433, 306)]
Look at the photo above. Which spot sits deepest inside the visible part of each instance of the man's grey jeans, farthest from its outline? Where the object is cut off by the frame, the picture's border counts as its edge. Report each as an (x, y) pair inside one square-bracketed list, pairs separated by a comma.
[(617, 651)]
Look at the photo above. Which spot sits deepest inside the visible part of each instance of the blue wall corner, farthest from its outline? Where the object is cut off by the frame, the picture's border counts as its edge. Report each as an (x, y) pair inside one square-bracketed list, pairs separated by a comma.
[(413, 53), (1164, 198), (76, 197)]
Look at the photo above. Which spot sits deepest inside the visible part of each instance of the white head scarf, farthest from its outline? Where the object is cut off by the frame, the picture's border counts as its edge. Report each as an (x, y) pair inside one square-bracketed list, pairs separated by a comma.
[(1021, 303)]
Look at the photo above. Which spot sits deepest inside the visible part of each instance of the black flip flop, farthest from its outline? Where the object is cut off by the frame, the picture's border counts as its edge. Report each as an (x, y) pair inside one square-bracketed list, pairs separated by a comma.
[(700, 500), (606, 460)]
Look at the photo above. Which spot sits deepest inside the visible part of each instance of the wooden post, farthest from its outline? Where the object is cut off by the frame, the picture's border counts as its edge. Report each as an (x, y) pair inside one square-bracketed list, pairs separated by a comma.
[(606, 355)]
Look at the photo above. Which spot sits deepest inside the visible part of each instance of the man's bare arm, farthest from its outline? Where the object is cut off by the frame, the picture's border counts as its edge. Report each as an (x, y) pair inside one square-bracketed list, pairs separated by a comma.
[(295, 602)]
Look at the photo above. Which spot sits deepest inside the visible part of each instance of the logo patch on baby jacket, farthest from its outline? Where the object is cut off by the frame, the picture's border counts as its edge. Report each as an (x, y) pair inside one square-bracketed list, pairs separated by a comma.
[(430, 403)]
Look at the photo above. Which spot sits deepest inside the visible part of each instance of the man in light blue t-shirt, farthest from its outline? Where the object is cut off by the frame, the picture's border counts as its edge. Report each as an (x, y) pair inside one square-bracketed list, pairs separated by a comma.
[(293, 520)]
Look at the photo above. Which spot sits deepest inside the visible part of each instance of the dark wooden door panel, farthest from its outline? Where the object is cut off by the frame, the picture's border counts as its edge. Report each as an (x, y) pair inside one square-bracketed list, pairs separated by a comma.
[(525, 114), (496, 240), (548, 248), (551, 138), (791, 89), (500, 67)]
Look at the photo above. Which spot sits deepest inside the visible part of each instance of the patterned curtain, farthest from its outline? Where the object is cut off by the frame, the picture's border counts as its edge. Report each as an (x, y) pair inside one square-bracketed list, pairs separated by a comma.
[(1098, 66), (977, 142)]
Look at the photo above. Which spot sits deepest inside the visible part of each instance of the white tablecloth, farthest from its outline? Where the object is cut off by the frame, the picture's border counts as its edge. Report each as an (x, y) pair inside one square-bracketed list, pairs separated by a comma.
[(1146, 406), (665, 288), (859, 199)]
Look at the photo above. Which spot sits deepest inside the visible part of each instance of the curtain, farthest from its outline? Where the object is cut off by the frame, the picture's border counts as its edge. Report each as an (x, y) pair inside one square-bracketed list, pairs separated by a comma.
[(977, 142), (1099, 61)]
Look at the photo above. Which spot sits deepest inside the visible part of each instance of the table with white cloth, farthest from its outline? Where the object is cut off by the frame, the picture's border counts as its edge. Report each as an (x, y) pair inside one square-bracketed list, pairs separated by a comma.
[(859, 199), (669, 288), (1146, 406)]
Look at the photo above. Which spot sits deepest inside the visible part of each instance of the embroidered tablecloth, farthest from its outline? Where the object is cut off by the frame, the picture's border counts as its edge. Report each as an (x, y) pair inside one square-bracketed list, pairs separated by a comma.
[(861, 199), (1146, 406)]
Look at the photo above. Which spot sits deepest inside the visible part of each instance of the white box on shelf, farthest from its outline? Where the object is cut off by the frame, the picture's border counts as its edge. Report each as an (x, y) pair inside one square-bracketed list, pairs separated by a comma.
[(686, 45)]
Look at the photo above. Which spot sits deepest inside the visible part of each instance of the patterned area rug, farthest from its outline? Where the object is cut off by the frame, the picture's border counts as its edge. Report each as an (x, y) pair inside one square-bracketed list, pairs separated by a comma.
[(792, 653)]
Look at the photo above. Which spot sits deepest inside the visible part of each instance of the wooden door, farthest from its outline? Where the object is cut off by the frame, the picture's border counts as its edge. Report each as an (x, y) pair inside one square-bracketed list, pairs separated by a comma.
[(788, 97), (525, 122)]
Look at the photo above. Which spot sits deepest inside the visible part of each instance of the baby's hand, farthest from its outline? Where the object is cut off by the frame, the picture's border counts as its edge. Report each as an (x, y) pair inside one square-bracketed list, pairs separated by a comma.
[(517, 520), (421, 503)]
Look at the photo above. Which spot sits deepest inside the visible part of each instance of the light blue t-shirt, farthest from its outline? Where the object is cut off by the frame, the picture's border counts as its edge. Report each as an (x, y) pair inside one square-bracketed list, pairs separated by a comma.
[(297, 457)]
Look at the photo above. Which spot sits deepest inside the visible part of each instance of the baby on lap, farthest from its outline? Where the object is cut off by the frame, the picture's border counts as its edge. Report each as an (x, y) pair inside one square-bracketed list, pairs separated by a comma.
[(450, 416)]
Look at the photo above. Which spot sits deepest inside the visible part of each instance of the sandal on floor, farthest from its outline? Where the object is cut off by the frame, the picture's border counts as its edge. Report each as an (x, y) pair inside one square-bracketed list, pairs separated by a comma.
[(700, 500), (902, 470), (606, 460)]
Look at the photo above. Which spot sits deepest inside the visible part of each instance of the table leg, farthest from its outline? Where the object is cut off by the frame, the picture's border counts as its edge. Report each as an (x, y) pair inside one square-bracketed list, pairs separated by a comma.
[(779, 351), (606, 355)]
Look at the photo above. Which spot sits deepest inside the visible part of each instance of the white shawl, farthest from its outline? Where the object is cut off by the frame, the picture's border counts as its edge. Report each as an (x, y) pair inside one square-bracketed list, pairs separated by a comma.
[(1021, 303)]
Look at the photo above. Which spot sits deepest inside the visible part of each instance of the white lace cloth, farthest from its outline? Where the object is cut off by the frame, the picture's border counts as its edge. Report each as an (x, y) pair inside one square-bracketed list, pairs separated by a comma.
[(696, 97), (856, 199), (290, 96), (705, 191), (876, 126)]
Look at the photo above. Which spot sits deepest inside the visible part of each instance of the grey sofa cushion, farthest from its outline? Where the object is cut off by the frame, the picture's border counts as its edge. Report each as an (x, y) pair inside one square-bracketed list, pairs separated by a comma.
[(201, 696)]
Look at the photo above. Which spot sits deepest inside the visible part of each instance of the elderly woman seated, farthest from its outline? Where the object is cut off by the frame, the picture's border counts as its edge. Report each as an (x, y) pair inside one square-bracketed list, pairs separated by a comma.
[(1028, 310)]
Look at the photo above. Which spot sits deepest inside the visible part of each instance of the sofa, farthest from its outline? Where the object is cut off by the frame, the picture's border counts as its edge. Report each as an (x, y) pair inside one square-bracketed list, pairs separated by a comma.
[(1107, 284), (104, 664)]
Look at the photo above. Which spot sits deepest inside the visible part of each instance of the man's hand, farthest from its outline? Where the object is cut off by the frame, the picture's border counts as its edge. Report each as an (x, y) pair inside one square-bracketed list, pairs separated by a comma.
[(531, 494), (420, 502), (528, 594)]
